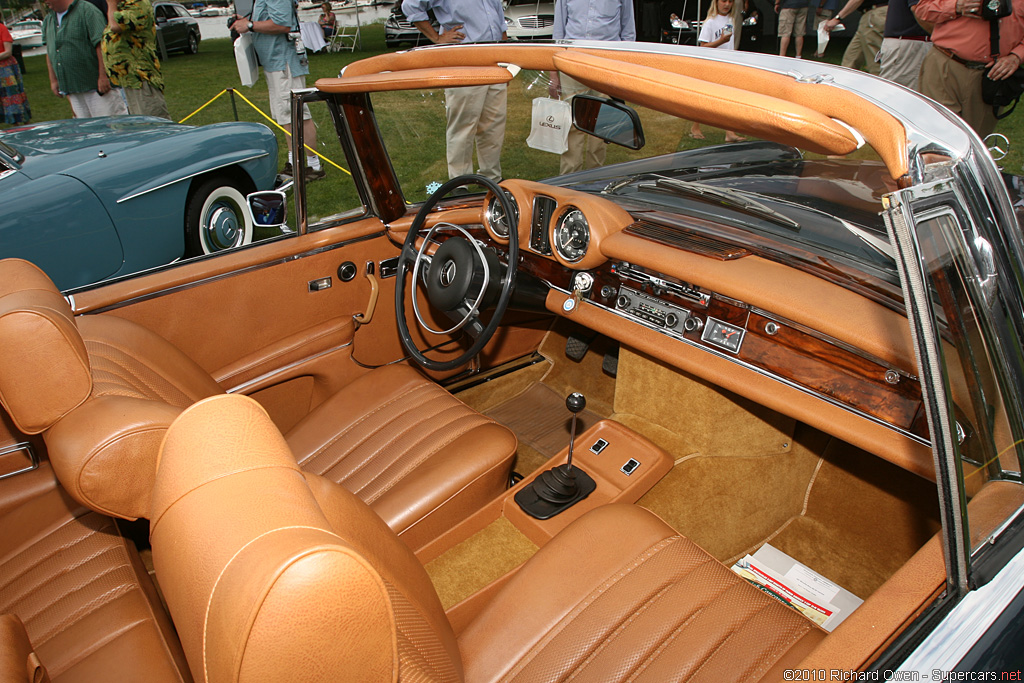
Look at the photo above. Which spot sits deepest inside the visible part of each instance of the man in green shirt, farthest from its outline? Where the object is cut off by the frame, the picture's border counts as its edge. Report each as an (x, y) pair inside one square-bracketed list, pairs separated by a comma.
[(72, 33), (129, 50)]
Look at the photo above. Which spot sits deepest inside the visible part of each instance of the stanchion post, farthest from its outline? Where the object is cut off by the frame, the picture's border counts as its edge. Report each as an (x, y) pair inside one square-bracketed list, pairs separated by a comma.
[(234, 107)]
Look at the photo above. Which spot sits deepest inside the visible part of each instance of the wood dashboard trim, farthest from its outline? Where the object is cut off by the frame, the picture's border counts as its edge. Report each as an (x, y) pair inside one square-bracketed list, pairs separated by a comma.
[(875, 438)]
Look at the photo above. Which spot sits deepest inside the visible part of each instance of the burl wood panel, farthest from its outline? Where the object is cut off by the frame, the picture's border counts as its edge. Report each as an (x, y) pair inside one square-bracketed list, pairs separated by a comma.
[(835, 372)]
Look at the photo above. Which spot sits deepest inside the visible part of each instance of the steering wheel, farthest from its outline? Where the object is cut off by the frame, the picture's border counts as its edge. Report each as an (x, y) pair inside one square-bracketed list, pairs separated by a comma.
[(462, 278)]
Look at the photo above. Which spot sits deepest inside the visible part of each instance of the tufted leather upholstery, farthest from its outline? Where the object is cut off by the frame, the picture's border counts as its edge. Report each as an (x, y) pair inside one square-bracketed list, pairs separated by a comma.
[(269, 572), (103, 394), (89, 610), (400, 442), (641, 603)]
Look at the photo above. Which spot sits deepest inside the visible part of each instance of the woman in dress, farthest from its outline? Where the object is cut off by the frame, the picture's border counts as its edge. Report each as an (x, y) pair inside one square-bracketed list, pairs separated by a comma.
[(13, 102)]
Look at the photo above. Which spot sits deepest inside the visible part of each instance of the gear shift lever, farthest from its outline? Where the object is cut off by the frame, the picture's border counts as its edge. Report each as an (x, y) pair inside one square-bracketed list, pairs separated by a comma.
[(575, 402), (563, 486)]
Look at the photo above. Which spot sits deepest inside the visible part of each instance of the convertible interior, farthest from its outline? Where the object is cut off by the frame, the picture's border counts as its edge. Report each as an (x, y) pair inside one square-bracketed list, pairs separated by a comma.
[(317, 457)]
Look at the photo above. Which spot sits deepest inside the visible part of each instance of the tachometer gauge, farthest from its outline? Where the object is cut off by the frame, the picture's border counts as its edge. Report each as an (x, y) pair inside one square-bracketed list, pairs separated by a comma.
[(572, 235), (496, 218)]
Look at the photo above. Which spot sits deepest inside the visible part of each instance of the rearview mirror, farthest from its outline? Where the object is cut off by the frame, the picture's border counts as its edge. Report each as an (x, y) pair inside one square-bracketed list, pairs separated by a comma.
[(609, 120), (269, 209)]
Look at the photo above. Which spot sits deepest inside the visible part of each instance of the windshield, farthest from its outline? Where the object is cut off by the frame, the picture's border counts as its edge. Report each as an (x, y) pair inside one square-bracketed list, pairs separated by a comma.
[(827, 207)]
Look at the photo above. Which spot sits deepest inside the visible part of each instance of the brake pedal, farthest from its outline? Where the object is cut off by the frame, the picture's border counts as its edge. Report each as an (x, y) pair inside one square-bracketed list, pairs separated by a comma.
[(610, 364), (577, 345)]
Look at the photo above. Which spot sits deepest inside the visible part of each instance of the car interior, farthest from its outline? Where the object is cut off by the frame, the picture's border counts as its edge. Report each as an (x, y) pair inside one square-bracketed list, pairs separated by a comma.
[(296, 460)]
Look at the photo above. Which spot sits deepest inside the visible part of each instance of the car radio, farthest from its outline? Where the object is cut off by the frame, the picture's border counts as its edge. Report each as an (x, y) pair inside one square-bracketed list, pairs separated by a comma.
[(651, 309)]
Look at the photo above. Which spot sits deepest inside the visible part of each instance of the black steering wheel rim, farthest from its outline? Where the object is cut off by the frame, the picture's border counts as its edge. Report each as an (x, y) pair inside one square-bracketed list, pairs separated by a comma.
[(408, 256)]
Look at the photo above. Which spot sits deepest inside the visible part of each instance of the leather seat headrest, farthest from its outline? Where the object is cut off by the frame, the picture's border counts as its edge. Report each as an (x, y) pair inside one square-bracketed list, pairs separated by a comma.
[(44, 369), (257, 581)]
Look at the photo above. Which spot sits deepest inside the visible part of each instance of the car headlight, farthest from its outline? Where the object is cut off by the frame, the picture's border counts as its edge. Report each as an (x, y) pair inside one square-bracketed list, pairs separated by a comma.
[(751, 20), (679, 23), (509, 23)]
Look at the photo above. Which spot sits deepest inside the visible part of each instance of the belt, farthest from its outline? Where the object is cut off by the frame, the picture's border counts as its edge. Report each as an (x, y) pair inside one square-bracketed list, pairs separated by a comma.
[(977, 66), (926, 39)]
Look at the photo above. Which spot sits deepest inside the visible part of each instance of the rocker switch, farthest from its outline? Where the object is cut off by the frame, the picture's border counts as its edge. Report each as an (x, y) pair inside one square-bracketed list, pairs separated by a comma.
[(598, 446)]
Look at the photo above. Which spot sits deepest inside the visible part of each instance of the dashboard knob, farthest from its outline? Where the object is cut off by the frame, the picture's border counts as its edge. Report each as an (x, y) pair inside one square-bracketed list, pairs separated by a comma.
[(622, 301), (693, 324), (671, 320)]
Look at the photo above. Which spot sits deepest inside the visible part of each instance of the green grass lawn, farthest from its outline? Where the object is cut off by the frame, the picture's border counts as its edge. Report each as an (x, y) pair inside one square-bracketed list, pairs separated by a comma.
[(191, 80)]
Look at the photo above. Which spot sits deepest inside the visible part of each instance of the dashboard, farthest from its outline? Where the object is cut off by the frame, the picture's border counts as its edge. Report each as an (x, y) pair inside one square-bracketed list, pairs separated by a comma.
[(563, 235)]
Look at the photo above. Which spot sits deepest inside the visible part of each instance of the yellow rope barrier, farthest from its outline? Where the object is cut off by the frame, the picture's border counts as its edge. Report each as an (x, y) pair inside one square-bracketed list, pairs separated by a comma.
[(208, 103), (268, 118)]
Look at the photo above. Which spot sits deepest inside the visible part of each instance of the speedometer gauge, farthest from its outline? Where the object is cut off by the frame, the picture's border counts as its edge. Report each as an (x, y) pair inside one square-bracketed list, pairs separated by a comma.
[(572, 235), (496, 217)]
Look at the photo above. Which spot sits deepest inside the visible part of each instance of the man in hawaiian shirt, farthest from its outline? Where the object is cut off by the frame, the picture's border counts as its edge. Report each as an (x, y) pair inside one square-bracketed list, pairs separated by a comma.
[(129, 52)]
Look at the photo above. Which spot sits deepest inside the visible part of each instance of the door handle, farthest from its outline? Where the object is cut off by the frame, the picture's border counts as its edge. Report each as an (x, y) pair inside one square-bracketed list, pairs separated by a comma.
[(365, 318)]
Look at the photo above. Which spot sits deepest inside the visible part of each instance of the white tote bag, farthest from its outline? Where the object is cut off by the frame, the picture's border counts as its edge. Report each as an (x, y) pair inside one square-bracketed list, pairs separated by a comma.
[(550, 129), (245, 58)]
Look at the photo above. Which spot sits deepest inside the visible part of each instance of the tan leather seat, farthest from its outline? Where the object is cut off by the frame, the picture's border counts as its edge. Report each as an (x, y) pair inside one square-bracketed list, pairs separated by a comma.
[(102, 390), (88, 608), (275, 574)]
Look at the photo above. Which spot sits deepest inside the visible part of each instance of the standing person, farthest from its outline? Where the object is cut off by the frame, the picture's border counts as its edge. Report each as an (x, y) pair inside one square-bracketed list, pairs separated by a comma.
[(586, 20), (720, 30), (951, 73), (73, 32), (826, 10), (476, 115), (867, 41), (905, 45), (792, 22), (272, 21), (129, 50), (13, 102), (327, 20)]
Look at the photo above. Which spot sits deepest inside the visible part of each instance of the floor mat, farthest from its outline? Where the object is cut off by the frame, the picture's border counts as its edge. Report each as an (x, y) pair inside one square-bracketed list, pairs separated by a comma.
[(864, 519), (727, 505), (540, 419)]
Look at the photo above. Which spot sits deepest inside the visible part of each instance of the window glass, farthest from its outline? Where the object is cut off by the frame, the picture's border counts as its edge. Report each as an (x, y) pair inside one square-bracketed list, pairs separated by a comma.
[(333, 199), (969, 309)]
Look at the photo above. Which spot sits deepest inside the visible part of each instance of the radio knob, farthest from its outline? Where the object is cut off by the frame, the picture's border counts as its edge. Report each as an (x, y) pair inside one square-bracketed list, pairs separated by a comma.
[(622, 301), (693, 324), (671, 320)]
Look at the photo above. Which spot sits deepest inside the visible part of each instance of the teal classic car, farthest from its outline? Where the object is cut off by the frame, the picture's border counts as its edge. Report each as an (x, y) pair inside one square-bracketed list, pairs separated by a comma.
[(93, 199)]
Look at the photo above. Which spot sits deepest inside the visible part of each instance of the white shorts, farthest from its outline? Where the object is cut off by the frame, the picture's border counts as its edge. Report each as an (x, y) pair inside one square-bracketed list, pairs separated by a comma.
[(280, 85), (88, 105)]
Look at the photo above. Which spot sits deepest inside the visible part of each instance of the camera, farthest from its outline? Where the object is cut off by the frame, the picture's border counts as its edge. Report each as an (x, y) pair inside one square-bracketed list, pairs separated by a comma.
[(996, 9)]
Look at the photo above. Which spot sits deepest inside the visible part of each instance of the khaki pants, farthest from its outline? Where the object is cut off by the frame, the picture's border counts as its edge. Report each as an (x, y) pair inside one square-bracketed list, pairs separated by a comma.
[(585, 151), (146, 101), (952, 84), (867, 41), (901, 60), (476, 116)]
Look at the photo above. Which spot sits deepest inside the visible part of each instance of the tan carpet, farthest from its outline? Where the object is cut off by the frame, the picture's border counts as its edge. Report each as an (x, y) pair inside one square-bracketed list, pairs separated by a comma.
[(864, 519), (705, 419), (727, 505), (485, 556)]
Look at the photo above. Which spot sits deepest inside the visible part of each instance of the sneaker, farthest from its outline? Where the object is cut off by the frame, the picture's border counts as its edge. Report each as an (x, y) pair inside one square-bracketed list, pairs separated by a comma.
[(315, 173), (287, 170)]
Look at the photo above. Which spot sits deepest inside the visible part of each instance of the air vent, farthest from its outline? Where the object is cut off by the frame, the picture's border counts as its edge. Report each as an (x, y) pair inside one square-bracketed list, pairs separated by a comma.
[(688, 240), (543, 209)]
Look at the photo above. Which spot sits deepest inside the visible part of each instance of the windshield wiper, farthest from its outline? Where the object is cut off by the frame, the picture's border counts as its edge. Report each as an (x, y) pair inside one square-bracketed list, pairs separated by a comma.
[(730, 198)]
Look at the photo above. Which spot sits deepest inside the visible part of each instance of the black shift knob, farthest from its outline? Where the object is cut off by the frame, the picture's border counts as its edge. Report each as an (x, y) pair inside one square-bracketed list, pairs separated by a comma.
[(575, 402)]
